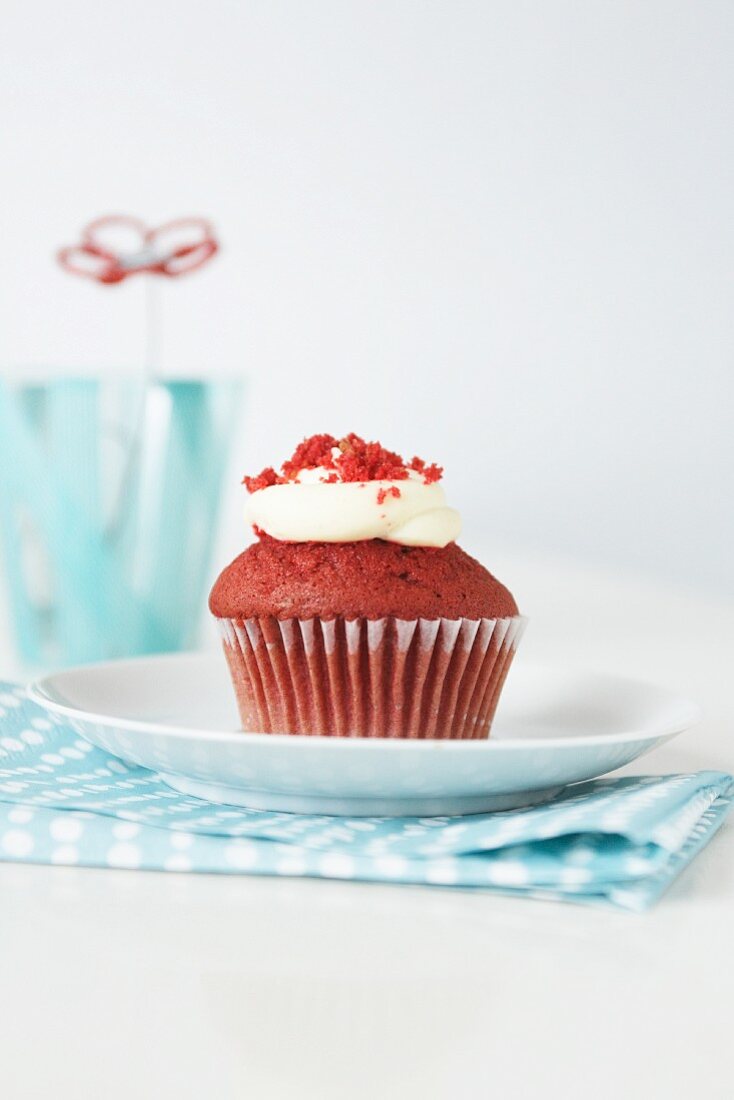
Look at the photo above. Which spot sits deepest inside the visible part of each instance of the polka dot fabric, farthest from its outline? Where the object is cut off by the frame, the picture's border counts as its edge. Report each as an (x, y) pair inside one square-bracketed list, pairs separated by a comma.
[(612, 841)]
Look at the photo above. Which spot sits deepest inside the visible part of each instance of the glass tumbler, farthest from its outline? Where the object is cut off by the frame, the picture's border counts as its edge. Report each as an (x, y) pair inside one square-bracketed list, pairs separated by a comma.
[(109, 496)]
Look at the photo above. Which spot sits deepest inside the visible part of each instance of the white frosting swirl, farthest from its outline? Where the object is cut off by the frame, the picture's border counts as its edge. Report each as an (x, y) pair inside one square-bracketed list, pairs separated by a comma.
[(308, 509)]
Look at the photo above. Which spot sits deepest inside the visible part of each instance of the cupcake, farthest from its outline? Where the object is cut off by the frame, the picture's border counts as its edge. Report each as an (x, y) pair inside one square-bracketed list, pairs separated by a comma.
[(355, 613)]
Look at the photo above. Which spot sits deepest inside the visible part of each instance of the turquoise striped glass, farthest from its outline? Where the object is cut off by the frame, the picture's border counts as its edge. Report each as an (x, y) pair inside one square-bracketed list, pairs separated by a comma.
[(109, 496)]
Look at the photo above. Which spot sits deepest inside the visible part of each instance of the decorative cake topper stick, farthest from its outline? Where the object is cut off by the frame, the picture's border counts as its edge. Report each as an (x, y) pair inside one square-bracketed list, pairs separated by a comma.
[(116, 246), (172, 249)]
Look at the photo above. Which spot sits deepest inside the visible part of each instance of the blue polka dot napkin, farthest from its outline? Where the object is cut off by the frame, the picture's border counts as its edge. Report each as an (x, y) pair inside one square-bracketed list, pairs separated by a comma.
[(617, 842)]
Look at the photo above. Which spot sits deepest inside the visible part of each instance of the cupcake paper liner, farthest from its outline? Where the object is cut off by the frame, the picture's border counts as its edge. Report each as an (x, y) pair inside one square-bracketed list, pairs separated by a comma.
[(419, 678)]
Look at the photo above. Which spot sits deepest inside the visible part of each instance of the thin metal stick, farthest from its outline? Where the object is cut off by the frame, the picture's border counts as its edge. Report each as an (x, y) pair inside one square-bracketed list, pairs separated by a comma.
[(151, 371), (152, 353)]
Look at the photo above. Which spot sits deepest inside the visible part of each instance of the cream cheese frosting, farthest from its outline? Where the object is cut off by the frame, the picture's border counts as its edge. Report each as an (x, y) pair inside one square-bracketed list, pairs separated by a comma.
[(309, 508)]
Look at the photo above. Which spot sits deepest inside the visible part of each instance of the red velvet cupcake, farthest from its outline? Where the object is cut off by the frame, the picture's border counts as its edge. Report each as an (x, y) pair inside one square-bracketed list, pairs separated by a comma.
[(355, 614)]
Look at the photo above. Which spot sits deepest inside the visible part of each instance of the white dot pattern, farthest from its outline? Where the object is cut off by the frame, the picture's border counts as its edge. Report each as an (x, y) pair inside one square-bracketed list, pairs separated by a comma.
[(508, 873), (177, 862), (65, 854), (20, 815), (66, 828), (336, 865), (124, 855), (17, 842), (241, 855)]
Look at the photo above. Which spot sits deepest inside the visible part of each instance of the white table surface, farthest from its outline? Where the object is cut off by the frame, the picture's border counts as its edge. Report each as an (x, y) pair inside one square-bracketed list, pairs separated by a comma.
[(126, 984)]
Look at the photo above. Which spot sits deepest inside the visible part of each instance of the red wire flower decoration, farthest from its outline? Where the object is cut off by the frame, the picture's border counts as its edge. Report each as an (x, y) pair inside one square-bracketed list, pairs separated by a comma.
[(117, 246)]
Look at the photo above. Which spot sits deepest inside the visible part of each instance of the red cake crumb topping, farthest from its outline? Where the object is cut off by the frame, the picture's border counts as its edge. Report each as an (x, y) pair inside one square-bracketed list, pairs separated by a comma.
[(430, 473), (313, 451), (383, 494), (356, 460), (265, 478)]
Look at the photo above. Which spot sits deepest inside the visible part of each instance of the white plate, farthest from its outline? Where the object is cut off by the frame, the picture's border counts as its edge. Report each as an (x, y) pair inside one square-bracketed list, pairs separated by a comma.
[(176, 715)]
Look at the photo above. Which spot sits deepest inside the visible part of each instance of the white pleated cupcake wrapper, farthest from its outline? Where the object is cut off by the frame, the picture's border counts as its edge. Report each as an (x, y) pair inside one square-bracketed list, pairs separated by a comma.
[(419, 678)]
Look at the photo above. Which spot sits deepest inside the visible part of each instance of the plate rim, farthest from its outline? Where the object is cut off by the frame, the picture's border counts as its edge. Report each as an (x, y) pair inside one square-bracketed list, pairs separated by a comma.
[(38, 693)]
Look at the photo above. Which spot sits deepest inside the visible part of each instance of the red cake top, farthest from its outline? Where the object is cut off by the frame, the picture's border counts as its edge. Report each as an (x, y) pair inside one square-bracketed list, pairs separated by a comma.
[(369, 580), (348, 459)]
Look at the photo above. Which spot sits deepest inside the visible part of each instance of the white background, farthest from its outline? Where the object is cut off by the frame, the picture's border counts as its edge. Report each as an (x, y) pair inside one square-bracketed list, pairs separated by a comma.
[(497, 234)]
